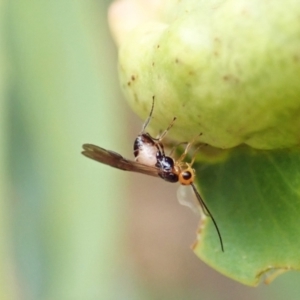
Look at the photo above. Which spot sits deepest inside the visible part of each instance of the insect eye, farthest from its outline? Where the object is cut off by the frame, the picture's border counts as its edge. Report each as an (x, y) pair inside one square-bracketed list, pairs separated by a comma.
[(187, 177)]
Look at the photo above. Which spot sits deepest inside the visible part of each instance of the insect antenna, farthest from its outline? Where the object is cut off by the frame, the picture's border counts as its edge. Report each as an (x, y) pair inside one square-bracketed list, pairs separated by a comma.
[(203, 205)]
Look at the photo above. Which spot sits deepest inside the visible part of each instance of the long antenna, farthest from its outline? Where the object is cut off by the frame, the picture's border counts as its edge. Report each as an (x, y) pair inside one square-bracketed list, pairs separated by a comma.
[(202, 203)]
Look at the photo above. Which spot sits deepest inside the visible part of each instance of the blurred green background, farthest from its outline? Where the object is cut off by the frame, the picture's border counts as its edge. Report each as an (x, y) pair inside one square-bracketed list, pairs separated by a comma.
[(71, 228)]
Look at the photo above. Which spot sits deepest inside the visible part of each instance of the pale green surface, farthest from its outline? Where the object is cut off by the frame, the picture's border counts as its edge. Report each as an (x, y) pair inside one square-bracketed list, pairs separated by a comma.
[(7, 283), (229, 69), (67, 222)]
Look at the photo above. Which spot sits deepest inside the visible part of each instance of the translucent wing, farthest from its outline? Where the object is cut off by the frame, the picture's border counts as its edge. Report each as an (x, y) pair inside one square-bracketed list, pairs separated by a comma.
[(186, 197), (115, 160)]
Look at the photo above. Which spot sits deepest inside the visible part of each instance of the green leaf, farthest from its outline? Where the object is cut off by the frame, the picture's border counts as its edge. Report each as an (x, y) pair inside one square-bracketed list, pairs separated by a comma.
[(254, 197)]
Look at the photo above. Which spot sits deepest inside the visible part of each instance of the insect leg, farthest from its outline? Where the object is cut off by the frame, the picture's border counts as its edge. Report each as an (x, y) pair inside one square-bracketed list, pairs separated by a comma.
[(149, 117)]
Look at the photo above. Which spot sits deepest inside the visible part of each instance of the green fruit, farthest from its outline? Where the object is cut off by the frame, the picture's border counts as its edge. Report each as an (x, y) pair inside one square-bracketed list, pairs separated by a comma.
[(227, 69)]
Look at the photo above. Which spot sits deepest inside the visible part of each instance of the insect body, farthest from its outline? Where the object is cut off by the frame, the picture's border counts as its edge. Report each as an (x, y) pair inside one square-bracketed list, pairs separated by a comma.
[(165, 168), (150, 159)]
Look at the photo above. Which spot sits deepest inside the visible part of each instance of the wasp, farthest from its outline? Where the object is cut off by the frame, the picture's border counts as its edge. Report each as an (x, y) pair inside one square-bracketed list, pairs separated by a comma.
[(150, 159)]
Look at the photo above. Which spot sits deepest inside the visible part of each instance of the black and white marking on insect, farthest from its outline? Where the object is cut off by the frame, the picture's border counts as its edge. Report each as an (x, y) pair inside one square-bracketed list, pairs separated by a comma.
[(165, 167), (146, 147)]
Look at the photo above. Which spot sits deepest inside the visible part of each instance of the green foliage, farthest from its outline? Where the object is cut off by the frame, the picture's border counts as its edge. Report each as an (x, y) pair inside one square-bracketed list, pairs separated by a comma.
[(254, 197)]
